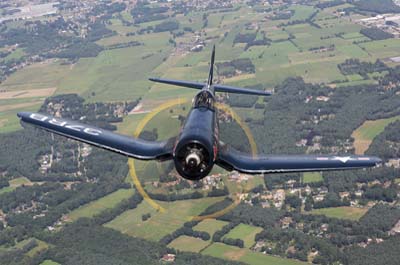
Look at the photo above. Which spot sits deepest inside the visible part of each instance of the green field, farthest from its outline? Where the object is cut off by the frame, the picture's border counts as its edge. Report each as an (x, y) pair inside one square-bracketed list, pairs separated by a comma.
[(14, 183), (20, 181), (382, 48), (31, 85), (160, 223), (39, 248), (39, 75), (15, 55), (244, 186), (49, 262), (6, 189), (119, 74), (365, 134), (223, 251), (301, 12), (186, 243), (245, 232), (311, 177), (128, 125), (97, 206), (350, 213), (370, 129), (9, 121), (210, 226)]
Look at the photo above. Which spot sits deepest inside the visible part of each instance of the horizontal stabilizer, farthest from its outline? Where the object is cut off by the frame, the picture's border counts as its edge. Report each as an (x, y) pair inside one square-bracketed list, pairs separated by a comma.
[(188, 84), (217, 88), (241, 90)]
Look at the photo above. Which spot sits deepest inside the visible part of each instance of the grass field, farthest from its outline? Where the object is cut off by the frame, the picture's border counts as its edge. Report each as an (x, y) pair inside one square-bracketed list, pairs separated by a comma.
[(39, 75), (128, 125), (159, 224), (15, 55), (14, 183), (210, 226), (119, 74), (97, 206), (49, 262), (382, 48), (9, 121), (365, 134), (20, 181), (244, 186), (311, 177), (245, 232), (350, 213), (186, 243), (26, 89), (223, 251), (6, 189), (41, 245), (39, 248)]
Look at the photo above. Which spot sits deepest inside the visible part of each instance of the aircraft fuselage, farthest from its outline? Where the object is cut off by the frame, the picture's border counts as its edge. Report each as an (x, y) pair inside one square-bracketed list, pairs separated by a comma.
[(196, 149)]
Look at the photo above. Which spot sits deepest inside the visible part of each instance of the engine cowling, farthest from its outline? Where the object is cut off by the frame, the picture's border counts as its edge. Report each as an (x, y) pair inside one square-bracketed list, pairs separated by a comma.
[(193, 160)]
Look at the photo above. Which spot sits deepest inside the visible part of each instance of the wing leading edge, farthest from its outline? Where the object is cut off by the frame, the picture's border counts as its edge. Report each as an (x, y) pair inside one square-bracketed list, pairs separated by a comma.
[(118, 143), (232, 159)]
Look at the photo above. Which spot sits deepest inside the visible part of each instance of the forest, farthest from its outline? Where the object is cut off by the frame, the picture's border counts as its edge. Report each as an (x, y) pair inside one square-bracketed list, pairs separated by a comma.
[(387, 144), (377, 6), (84, 242), (376, 34), (230, 68), (355, 66), (339, 232), (383, 253)]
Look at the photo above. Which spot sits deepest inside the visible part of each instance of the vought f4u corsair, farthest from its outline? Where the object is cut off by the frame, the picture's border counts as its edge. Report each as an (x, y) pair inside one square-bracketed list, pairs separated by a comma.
[(197, 148)]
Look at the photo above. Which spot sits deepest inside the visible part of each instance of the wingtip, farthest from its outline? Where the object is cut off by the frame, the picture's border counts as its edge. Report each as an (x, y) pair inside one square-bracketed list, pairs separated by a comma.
[(377, 161), (22, 114), (267, 93)]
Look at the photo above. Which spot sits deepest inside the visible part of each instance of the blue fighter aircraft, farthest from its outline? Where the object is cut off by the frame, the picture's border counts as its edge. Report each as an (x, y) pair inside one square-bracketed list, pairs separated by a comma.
[(198, 148)]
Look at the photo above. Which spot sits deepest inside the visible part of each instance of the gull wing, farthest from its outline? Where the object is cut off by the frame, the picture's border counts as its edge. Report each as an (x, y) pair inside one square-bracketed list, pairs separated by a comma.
[(231, 159), (131, 147)]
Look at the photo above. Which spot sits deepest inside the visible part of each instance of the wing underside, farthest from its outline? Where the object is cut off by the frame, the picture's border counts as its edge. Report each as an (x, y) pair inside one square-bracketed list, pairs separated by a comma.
[(122, 144), (232, 159)]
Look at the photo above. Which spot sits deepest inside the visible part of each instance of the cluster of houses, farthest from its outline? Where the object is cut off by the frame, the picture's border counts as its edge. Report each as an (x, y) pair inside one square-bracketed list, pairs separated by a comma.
[(276, 198), (386, 22)]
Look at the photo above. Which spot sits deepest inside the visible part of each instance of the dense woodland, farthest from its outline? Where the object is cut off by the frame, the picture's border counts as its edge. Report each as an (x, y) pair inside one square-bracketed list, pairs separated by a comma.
[(383, 253), (291, 117), (339, 233), (355, 66), (85, 242), (387, 144), (377, 6), (229, 69), (376, 34)]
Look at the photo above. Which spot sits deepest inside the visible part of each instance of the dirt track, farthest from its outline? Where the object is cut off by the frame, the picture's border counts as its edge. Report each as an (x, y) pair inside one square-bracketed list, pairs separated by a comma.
[(31, 93)]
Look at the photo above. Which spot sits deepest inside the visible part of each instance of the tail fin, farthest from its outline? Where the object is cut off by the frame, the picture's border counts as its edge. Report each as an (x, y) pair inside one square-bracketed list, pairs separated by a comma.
[(211, 74)]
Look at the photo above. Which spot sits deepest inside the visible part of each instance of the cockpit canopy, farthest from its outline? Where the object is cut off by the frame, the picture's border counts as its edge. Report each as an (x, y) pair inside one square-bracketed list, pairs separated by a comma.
[(204, 99)]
